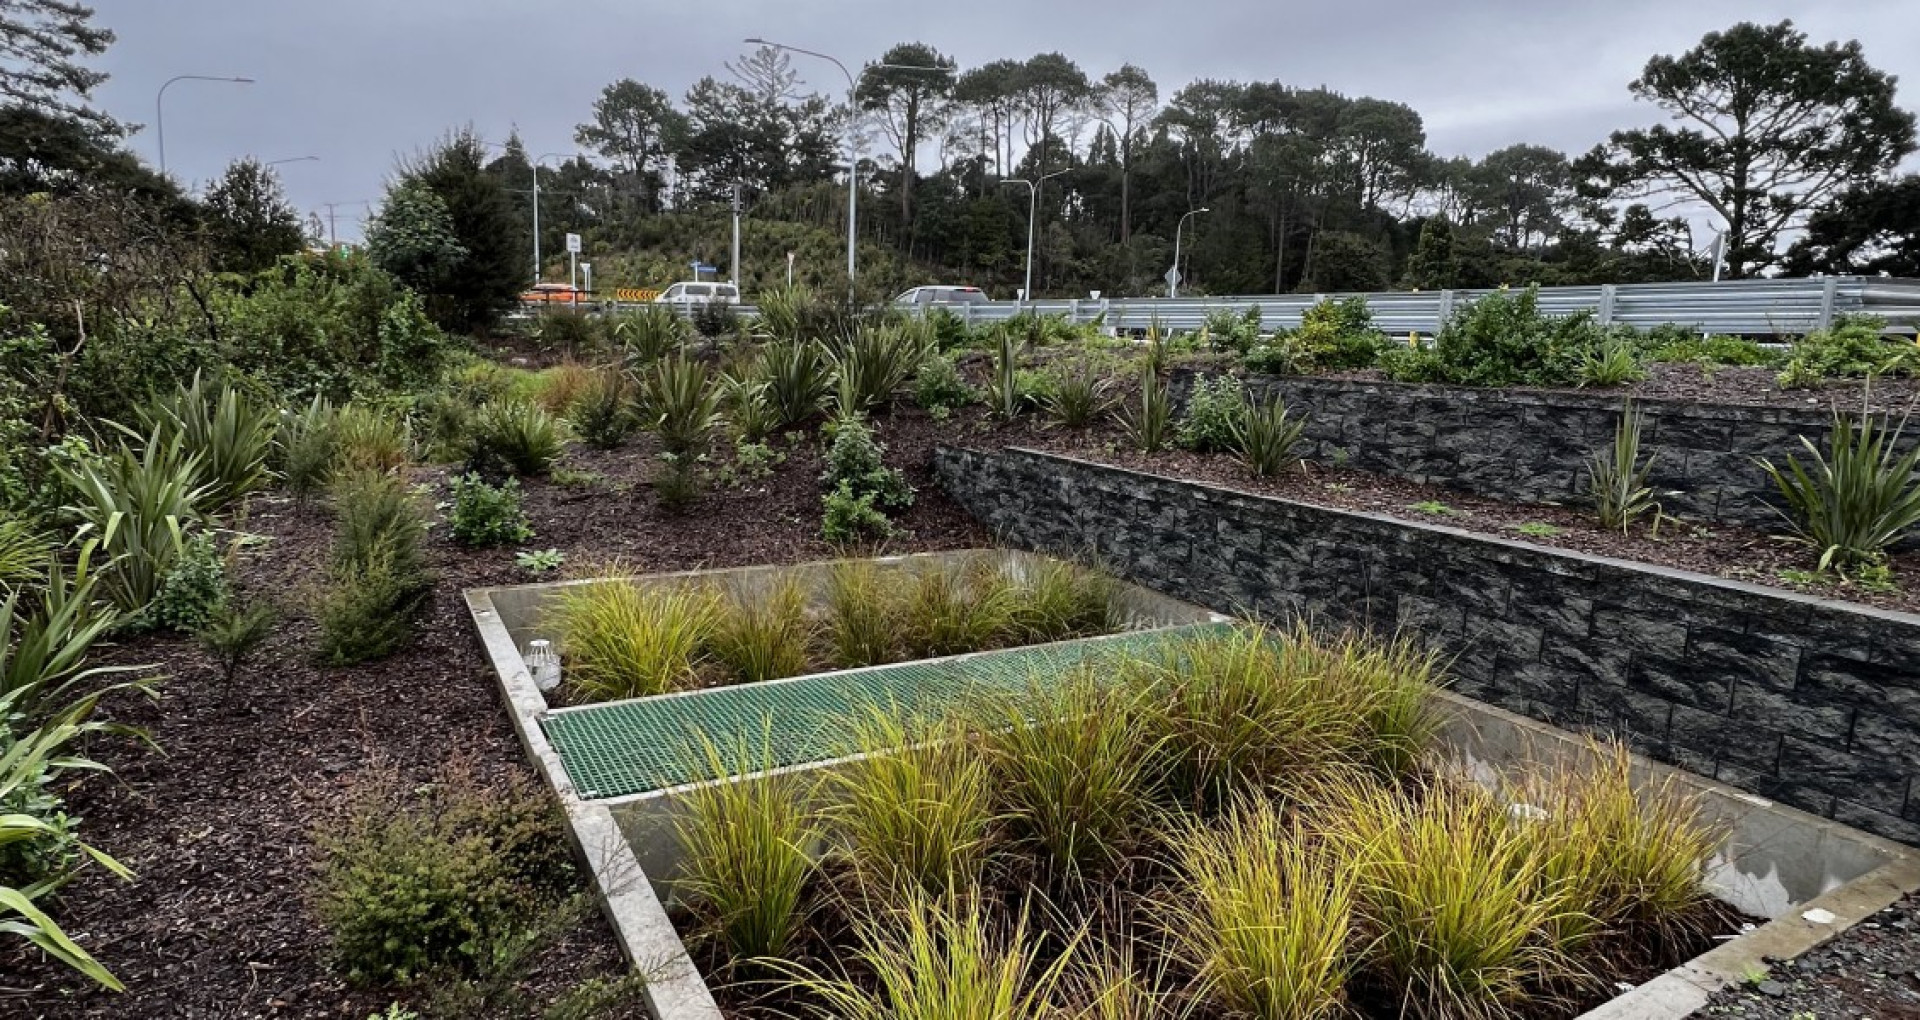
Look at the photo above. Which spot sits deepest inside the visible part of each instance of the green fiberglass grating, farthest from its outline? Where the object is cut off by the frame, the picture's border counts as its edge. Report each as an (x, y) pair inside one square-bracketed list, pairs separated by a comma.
[(656, 743)]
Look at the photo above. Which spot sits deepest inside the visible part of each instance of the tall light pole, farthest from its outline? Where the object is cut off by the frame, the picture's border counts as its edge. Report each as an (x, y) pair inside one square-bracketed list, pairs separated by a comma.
[(1173, 278), (853, 134), (160, 109), (536, 209), (1033, 211)]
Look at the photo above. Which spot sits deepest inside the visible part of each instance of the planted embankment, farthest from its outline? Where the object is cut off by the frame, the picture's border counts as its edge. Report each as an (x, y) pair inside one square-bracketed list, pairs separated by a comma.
[(1808, 701), (1534, 446)]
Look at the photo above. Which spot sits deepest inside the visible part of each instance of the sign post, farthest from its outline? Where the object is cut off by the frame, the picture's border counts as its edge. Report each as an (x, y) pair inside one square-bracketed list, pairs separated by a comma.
[(573, 260)]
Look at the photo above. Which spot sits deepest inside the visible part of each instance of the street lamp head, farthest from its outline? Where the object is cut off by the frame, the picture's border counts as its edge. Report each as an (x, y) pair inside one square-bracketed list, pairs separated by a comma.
[(756, 41), (243, 81), (1203, 209)]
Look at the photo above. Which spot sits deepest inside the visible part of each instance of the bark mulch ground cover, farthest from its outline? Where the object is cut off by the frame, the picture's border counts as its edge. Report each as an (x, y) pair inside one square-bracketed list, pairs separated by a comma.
[(216, 824)]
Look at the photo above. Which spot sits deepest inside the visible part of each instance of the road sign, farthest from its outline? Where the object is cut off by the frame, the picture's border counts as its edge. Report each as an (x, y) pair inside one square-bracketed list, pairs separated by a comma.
[(702, 267), (573, 244), (1172, 277)]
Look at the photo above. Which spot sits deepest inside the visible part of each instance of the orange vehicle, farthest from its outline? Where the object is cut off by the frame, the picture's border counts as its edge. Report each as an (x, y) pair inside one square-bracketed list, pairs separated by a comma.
[(554, 294)]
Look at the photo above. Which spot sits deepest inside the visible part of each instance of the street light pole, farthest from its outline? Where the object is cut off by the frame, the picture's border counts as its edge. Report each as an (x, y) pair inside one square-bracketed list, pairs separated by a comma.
[(853, 135), (160, 109), (1173, 285), (1033, 212), (536, 211)]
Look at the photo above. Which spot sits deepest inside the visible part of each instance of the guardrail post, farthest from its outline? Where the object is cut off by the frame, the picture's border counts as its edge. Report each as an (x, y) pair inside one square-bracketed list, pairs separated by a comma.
[(1607, 293), (1829, 294), (1073, 311), (1446, 310)]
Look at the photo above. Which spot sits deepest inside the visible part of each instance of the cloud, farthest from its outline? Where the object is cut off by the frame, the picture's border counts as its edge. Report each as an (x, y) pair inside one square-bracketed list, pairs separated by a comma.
[(357, 81)]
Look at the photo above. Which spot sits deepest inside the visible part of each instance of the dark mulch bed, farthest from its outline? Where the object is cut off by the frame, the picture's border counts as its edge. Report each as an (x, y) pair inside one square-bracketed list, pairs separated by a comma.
[(1752, 387), (216, 827), (1870, 970), (1720, 550)]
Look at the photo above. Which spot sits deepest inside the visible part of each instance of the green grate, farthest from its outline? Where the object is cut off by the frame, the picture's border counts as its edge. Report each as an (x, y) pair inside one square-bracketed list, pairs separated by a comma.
[(641, 746)]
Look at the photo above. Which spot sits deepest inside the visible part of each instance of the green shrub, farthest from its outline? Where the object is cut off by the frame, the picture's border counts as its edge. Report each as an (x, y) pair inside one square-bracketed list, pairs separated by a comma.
[(140, 507), (939, 386), (514, 437), (650, 332), (24, 554), (445, 426), (377, 581), (1853, 502), (1336, 334), (486, 515), (794, 315), (1672, 343), (1226, 330), (797, 380), (1214, 406), (1502, 339), (856, 463), (234, 632), (417, 880), (195, 588), (233, 436), (681, 404), (570, 332), (1852, 348), (1005, 394), (677, 484), (848, 517), (603, 415), (714, 320), (950, 332)]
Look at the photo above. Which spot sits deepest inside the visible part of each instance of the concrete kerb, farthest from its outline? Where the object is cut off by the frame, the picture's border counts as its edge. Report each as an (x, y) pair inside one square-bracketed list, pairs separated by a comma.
[(1855, 874)]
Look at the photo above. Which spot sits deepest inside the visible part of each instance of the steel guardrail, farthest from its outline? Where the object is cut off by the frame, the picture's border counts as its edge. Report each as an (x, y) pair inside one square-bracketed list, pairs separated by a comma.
[(1758, 308)]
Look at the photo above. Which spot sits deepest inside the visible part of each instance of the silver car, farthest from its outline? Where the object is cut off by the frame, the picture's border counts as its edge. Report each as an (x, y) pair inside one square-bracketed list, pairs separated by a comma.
[(948, 296)]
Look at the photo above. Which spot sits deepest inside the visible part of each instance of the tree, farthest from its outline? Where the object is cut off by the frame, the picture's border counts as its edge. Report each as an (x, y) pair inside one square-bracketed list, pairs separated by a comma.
[(993, 91), (40, 43), (912, 104), (412, 238), (1127, 100), (481, 214), (1771, 128), (250, 223), (1049, 86), (631, 125), (1523, 190), (1873, 229), (44, 152), (1432, 266)]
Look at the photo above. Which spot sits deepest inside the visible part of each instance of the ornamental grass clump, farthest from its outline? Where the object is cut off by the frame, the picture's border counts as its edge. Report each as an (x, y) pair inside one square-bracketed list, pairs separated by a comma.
[(861, 615), (1617, 476), (624, 641), (1264, 437), (746, 852), (1264, 920), (763, 635), (942, 959), (1058, 600), (948, 611), (1453, 898), (1073, 774), (913, 811)]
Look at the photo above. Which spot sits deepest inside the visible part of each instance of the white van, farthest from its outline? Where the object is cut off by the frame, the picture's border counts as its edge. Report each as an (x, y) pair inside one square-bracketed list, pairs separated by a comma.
[(699, 294)]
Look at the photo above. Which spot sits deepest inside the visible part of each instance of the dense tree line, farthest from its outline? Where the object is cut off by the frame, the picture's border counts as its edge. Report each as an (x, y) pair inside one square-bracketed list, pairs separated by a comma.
[(1306, 189)]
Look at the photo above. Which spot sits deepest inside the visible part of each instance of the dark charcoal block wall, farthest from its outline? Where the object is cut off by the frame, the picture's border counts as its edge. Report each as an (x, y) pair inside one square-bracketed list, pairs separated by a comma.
[(1534, 446), (1805, 701)]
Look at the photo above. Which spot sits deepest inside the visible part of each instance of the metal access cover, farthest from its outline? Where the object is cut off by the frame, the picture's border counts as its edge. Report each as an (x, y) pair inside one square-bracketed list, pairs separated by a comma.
[(655, 743)]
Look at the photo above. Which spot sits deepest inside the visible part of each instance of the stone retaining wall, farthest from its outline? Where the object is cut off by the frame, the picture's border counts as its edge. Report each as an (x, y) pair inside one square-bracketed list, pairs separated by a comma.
[(1534, 446), (1811, 702)]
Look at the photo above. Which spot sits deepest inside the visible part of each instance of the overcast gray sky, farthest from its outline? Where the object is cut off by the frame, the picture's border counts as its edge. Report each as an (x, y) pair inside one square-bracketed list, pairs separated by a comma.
[(357, 81)]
